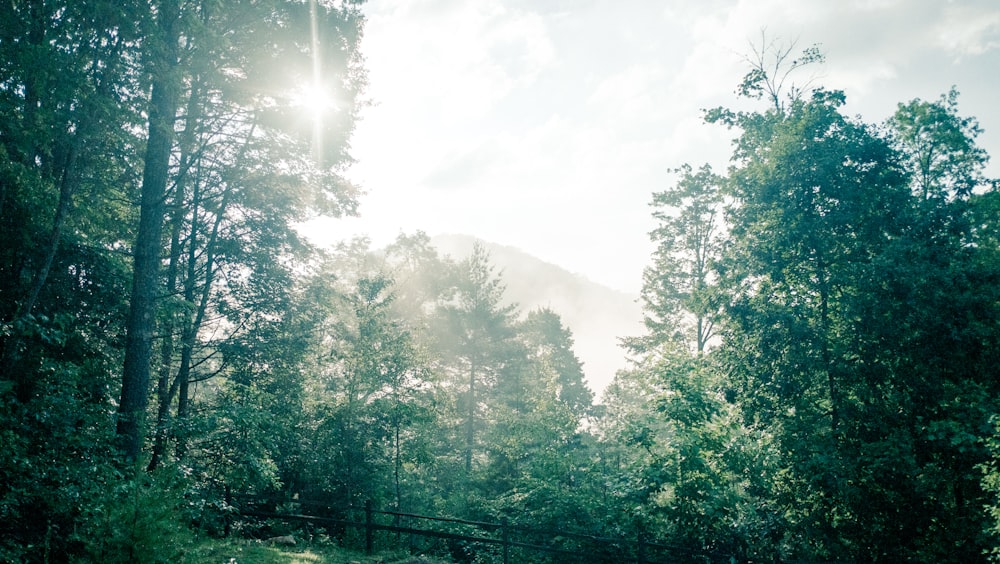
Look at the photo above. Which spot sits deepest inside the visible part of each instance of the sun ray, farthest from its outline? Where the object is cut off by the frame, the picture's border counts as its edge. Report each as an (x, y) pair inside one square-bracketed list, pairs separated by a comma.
[(312, 98), (317, 98)]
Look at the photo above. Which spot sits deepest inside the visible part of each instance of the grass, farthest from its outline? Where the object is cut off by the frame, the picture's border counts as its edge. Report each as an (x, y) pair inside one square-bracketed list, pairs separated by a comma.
[(230, 551), (226, 551)]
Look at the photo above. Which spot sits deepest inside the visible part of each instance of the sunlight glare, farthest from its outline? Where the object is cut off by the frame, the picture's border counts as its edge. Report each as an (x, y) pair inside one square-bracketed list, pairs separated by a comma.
[(313, 97), (313, 100)]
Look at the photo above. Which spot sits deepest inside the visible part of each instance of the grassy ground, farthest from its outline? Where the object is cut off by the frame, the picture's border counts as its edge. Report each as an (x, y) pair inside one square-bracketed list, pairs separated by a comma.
[(227, 551)]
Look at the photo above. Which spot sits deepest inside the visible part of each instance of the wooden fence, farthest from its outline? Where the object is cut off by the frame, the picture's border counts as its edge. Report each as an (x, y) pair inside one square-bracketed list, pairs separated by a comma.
[(571, 546)]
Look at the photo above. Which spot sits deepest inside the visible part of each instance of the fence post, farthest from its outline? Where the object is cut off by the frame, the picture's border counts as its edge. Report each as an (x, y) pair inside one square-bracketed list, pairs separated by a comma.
[(505, 537), (369, 531), (641, 550)]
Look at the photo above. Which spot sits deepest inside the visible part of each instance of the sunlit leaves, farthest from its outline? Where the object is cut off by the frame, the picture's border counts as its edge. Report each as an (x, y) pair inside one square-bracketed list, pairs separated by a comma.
[(679, 296), (834, 261), (939, 147)]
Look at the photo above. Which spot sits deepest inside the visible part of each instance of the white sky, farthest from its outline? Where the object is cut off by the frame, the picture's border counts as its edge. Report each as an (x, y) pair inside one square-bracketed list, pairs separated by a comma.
[(547, 124)]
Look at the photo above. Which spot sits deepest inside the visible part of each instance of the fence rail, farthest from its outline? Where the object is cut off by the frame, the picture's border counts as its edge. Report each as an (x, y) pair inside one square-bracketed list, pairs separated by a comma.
[(637, 550)]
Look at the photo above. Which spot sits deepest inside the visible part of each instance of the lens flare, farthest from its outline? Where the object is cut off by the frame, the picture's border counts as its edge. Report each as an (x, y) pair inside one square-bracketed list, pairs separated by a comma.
[(314, 100)]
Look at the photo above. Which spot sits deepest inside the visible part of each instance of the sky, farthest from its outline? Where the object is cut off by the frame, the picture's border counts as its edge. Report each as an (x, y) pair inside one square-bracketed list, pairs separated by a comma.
[(547, 125)]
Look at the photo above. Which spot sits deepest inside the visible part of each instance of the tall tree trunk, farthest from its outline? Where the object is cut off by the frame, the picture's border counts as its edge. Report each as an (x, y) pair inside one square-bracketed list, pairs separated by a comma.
[(163, 388), (141, 320), (827, 359), (397, 464), (166, 388), (470, 437), (193, 324)]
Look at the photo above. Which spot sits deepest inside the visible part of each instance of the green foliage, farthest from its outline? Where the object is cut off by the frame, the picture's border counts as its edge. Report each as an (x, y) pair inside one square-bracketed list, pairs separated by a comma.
[(369, 391), (55, 425), (679, 295), (847, 410), (559, 372), (237, 447), (859, 276), (75, 86), (699, 479), (140, 519), (991, 484), (842, 341), (939, 147), (475, 332)]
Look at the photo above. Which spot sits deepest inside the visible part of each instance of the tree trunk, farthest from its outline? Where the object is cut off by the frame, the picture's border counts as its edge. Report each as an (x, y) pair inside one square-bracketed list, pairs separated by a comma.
[(141, 319), (167, 387), (397, 466), (471, 423), (164, 391), (831, 378)]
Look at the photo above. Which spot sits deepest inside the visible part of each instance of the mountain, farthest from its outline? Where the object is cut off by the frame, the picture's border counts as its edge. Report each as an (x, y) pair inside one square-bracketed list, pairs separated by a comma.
[(597, 315)]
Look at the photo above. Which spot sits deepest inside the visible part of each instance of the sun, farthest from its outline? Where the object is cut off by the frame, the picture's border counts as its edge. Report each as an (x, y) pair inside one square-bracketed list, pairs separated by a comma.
[(313, 100), (314, 103)]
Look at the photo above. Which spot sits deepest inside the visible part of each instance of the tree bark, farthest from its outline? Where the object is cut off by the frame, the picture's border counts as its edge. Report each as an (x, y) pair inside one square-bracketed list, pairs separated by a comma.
[(471, 422), (141, 319)]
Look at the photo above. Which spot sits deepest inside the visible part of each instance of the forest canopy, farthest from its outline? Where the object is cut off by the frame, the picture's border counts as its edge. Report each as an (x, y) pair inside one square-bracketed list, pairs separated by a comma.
[(817, 380)]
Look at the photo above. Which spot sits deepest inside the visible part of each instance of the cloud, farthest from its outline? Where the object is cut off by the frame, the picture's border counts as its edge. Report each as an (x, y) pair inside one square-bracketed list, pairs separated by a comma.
[(456, 58), (460, 170), (637, 93), (969, 29), (547, 125)]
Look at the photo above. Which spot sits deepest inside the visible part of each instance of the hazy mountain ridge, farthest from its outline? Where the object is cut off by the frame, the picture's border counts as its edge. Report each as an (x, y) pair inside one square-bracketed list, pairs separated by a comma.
[(597, 315)]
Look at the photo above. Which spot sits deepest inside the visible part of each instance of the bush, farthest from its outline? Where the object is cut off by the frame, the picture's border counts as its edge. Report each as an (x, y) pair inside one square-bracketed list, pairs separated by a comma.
[(141, 520)]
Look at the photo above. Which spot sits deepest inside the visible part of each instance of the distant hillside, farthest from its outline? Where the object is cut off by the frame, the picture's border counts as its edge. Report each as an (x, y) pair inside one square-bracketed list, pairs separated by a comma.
[(597, 315)]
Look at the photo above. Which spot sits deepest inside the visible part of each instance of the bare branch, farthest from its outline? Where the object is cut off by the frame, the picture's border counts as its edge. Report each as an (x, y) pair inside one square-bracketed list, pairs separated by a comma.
[(771, 67)]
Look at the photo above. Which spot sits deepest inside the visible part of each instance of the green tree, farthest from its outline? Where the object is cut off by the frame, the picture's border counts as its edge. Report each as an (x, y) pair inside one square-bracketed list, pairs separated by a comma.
[(939, 289), (423, 281), (371, 395), (939, 147), (805, 224), (94, 95), (846, 275), (817, 198), (62, 94), (549, 345), (678, 292), (246, 170), (534, 444), (476, 332), (686, 471), (66, 106)]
